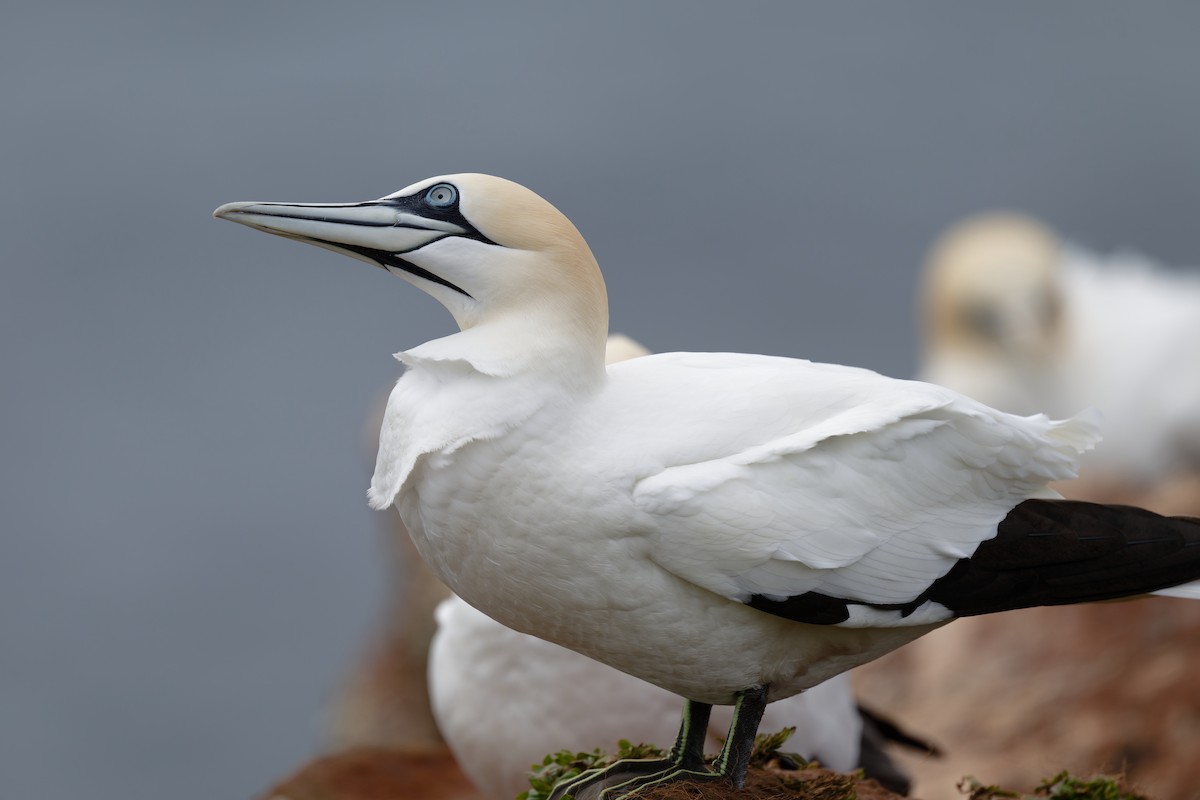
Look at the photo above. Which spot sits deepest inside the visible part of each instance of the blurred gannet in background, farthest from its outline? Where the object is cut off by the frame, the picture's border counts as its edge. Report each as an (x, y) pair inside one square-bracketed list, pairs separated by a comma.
[(1022, 321), (732, 528)]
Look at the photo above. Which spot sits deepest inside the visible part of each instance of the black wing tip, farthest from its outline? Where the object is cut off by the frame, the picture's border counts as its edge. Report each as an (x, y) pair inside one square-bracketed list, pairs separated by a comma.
[(1044, 553)]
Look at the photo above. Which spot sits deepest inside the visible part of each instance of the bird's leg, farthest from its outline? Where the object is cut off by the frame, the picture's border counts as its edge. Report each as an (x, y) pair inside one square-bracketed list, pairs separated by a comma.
[(687, 754), (747, 714), (688, 751), (731, 764), (686, 764)]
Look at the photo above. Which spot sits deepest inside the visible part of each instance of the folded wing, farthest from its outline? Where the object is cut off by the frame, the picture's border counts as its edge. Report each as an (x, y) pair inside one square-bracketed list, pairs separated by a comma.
[(867, 494)]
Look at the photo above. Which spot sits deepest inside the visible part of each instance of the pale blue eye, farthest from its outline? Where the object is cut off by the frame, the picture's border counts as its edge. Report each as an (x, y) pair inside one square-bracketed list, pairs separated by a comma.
[(441, 196)]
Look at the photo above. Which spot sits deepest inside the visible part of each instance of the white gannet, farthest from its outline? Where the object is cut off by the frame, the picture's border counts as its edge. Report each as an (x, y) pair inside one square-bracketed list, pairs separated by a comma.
[(732, 528), (1023, 321), (503, 699)]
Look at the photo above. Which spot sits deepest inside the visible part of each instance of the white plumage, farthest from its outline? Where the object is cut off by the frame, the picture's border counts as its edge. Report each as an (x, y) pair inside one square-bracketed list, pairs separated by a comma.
[(732, 528), (627, 515), (503, 699)]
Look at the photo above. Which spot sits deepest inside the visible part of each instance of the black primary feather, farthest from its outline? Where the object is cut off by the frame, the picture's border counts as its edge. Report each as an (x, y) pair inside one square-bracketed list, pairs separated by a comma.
[(1044, 553)]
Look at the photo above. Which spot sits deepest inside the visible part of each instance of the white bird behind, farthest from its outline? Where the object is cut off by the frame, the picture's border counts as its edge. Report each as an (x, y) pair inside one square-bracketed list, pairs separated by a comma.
[(1133, 350), (504, 699), (1022, 321)]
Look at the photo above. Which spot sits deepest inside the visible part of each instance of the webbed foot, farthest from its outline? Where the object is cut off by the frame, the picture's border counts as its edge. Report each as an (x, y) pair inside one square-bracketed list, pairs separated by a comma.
[(594, 783), (634, 786), (686, 756)]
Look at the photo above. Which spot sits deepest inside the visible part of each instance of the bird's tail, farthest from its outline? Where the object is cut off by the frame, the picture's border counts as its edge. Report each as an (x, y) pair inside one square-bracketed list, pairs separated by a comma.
[(1055, 552)]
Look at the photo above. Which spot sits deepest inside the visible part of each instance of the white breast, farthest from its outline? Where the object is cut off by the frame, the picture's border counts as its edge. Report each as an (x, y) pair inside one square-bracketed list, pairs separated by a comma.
[(540, 526)]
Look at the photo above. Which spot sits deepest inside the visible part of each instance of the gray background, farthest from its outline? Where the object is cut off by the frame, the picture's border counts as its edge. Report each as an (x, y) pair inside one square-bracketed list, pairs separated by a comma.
[(187, 563)]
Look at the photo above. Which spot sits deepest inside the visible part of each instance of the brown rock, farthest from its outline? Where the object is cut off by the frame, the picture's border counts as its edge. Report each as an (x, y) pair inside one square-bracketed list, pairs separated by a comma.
[(376, 773)]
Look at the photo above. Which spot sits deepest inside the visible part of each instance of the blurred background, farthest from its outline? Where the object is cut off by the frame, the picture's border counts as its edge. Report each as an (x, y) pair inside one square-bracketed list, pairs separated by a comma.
[(187, 563)]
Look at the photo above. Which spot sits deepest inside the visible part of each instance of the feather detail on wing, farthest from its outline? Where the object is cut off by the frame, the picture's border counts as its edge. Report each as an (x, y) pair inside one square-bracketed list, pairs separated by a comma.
[(870, 504)]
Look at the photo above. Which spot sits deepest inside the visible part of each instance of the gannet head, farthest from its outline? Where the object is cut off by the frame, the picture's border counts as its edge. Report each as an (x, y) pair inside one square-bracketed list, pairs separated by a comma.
[(508, 265), (991, 288)]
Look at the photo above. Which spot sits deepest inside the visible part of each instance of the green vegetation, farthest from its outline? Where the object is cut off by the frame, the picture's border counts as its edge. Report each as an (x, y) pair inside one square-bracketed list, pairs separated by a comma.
[(798, 781), (564, 765), (1062, 786)]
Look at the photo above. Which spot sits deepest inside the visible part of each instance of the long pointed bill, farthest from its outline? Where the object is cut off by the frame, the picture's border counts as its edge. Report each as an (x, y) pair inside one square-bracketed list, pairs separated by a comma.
[(378, 232)]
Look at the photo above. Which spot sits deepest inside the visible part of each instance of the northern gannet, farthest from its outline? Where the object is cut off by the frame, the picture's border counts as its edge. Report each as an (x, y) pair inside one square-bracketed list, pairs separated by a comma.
[(732, 528), (501, 700), (1020, 319), (504, 699)]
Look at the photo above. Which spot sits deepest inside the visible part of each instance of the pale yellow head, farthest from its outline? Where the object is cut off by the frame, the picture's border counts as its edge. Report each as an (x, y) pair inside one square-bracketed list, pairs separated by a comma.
[(991, 287), (508, 265)]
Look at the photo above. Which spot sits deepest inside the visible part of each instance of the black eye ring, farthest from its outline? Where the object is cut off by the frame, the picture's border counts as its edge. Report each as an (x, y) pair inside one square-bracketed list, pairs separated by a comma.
[(443, 195)]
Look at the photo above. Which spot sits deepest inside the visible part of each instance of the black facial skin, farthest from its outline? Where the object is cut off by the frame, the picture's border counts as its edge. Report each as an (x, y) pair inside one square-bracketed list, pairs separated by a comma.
[(424, 204), (438, 202)]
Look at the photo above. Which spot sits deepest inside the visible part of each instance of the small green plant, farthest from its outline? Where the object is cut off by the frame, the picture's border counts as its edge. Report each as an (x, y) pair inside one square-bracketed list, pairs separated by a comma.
[(1062, 786), (977, 791), (565, 765), (766, 746)]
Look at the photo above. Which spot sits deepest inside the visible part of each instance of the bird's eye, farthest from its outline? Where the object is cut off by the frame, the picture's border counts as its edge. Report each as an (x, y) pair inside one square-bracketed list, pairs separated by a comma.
[(984, 321), (441, 196)]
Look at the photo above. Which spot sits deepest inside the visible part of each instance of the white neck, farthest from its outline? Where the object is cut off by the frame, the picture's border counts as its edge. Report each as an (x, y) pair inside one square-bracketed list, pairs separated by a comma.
[(512, 347)]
